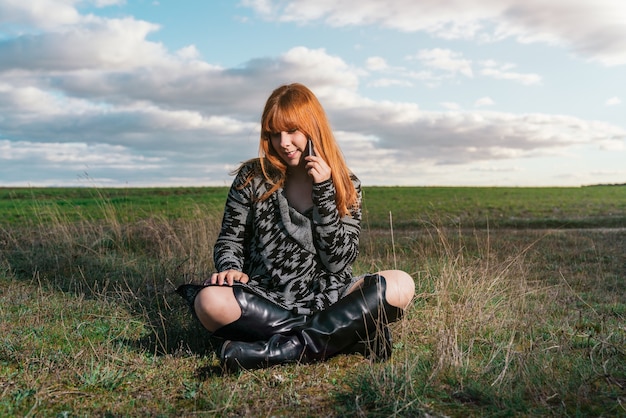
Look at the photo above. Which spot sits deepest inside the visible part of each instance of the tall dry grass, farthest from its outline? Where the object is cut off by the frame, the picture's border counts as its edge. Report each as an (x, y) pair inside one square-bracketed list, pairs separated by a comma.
[(137, 265), (480, 306), (495, 329)]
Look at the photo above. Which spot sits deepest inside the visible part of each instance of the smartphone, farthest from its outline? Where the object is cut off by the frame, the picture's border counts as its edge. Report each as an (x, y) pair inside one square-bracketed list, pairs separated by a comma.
[(310, 146)]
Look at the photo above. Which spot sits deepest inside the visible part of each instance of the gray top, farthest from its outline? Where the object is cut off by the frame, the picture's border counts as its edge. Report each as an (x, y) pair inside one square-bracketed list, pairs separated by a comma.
[(301, 261)]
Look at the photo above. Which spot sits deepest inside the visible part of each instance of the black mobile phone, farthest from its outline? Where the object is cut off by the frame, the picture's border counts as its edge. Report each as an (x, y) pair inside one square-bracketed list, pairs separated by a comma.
[(310, 145)]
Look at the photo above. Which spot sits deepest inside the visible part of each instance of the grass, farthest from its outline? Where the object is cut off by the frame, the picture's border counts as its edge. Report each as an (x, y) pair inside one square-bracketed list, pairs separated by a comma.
[(21, 206), (518, 207), (498, 207), (508, 321)]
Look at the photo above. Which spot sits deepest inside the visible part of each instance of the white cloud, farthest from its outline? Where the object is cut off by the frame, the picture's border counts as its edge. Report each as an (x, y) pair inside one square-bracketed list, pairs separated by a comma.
[(37, 14), (188, 53), (495, 169), (337, 71), (461, 137), (503, 72), (33, 114), (527, 79), (96, 43), (592, 29), (613, 101), (484, 101), (389, 82), (75, 155), (376, 64), (264, 7), (441, 65), (445, 60), (105, 3)]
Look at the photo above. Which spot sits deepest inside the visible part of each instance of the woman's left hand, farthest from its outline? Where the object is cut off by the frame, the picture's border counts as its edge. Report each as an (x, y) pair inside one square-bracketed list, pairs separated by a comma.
[(227, 278), (317, 168)]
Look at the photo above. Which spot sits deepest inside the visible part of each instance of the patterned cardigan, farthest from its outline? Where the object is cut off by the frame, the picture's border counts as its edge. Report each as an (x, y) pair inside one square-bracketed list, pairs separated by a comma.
[(301, 262)]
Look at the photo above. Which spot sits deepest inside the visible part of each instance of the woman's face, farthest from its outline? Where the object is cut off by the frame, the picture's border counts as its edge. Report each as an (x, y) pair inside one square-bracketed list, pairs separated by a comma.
[(290, 146)]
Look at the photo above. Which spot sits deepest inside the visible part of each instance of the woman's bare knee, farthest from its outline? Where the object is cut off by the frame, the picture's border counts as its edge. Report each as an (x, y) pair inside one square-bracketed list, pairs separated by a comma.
[(400, 288), (216, 306)]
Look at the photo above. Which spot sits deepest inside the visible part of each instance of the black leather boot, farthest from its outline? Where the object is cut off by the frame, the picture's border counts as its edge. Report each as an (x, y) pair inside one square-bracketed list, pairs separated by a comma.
[(360, 316), (260, 318)]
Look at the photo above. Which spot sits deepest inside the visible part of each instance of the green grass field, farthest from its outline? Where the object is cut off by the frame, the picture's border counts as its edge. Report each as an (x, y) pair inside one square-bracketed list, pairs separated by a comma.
[(599, 206), (520, 307)]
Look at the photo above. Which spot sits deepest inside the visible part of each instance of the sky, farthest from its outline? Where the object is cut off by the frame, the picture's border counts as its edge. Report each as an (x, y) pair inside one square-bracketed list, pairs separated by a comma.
[(143, 93)]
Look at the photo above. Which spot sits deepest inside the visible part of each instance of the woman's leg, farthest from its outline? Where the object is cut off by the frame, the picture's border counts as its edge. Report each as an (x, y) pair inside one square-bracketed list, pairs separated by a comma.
[(354, 318), (400, 287), (259, 319), (216, 306), (236, 313)]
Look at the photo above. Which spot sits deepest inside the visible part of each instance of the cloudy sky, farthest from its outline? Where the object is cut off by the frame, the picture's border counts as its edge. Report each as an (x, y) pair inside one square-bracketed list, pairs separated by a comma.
[(429, 92)]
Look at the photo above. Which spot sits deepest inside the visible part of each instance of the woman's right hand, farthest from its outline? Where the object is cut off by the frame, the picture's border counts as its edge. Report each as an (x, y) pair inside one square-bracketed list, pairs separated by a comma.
[(227, 277), (317, 168)]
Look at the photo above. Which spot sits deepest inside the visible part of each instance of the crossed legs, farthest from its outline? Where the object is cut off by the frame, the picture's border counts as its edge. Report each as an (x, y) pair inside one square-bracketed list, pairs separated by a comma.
[(216, 306)]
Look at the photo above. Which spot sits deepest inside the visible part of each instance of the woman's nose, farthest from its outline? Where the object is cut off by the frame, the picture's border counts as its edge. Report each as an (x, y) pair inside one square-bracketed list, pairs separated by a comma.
[(285, 138)]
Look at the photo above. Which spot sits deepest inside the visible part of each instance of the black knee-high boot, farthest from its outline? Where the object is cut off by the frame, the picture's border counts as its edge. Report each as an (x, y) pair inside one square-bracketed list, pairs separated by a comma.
[(360, 316), (259, 320)]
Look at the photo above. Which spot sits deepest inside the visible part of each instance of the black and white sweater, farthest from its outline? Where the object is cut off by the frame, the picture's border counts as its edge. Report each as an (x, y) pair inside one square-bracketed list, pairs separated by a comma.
[(299, 261)]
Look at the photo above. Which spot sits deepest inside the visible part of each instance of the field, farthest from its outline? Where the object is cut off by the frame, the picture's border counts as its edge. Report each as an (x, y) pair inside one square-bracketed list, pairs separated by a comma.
[(520, 307)]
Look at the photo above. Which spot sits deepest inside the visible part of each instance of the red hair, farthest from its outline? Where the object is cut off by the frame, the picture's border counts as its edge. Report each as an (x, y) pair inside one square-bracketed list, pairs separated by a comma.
[(295, 107)]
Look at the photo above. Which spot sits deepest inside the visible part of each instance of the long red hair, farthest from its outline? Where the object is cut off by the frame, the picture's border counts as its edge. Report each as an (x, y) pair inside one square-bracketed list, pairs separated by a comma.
[(291, 107)]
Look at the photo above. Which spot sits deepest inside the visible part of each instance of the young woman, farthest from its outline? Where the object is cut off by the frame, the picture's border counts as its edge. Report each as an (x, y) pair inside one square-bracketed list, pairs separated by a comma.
[(284, 289)]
